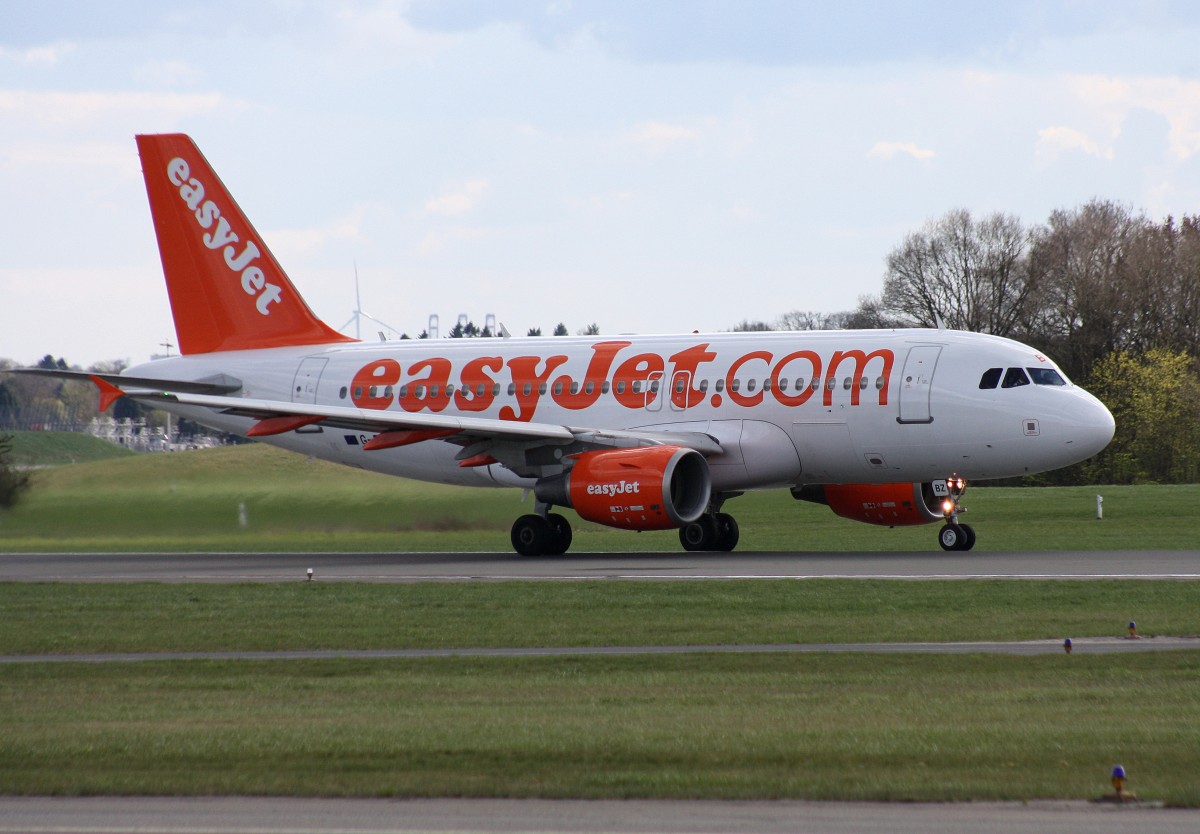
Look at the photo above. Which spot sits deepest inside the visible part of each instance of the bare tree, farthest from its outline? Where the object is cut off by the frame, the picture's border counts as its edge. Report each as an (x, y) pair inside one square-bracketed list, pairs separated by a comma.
[(1089, 287), (968, 275)]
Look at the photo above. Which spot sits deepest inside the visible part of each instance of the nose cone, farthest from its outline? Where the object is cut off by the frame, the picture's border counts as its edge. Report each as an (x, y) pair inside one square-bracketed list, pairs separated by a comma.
[(1092, 426)]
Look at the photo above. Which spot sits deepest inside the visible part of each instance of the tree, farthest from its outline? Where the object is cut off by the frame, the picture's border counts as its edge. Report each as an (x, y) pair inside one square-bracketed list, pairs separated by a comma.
[(534, 331), (12, 482), (747, 326), (966, 274), (560, 329), (1087, 285), (592, 329), (1155, 400)]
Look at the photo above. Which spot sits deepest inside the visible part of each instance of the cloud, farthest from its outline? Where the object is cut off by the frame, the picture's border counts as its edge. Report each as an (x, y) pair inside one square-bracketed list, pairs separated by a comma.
[(658, 137), (887, 150), (1112, 100), (78, 109), (304, 241), (37, 56), (459, 201), (1054, 140), (435, 242)]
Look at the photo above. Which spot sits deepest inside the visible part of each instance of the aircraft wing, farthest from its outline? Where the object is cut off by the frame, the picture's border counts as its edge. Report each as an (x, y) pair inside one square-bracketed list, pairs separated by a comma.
[(219, 384), (483, 440)]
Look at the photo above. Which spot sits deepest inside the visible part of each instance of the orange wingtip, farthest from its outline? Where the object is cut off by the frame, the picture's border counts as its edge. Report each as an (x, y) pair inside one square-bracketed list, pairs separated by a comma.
[(482, 459), (109, 393), (405, 437), (279, 425)]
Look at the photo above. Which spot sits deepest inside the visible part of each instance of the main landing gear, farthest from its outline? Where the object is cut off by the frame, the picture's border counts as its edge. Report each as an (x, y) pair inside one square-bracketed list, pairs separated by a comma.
[(546, 534), (955, 536), (714, 530), (549, 534), (711, 531)]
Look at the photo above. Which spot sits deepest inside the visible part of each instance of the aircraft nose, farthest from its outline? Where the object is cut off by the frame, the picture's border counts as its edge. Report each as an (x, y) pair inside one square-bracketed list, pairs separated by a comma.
[(1094, 426)]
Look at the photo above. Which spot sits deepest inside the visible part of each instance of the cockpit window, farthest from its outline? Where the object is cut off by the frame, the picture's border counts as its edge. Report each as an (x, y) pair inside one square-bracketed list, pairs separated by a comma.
[(1014, 378), (990, 378), (1046, 376)]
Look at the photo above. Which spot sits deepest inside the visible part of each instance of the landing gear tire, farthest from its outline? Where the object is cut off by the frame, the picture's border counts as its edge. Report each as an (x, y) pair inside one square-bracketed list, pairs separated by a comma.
[(970, 531), (535, 535), (727, 532), (956, 537), (700, 535), (560, 535), (531, 535)]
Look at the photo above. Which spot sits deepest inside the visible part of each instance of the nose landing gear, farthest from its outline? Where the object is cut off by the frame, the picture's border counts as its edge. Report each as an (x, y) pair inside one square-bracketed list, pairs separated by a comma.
[(955, 536)]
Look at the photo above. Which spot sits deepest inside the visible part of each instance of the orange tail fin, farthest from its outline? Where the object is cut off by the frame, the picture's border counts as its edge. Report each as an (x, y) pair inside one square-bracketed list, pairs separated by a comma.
[(227, 290)]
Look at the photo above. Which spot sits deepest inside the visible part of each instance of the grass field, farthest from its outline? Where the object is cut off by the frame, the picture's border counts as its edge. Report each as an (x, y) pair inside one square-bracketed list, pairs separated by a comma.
[(880, 727), (192, 501), (883, 727)]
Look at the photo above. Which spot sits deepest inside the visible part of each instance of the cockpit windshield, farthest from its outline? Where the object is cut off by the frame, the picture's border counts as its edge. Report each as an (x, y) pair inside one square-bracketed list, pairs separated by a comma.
[(1016, 377), (1046, 376)]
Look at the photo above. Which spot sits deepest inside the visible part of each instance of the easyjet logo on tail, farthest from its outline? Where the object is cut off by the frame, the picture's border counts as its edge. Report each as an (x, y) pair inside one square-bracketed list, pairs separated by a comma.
[(208, 214)]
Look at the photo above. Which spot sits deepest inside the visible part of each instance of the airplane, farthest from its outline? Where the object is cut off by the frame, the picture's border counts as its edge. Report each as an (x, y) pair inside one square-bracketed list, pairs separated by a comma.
[(632, 432)]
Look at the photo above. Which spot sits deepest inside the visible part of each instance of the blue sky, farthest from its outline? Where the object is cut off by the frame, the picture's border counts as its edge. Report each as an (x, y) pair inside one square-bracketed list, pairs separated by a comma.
[(647, 166)]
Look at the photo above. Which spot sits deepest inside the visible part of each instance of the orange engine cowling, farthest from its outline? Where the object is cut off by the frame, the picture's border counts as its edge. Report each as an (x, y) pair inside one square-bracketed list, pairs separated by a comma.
[(650, 488), (891, 505)]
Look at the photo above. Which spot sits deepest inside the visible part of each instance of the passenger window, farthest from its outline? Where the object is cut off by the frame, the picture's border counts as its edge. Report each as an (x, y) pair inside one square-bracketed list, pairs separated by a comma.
[(1014, 378), (990, 378), (1046, 376), (751, 383)]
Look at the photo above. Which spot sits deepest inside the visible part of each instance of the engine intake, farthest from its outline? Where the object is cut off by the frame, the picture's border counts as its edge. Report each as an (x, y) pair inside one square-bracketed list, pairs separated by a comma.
[(650, 488)]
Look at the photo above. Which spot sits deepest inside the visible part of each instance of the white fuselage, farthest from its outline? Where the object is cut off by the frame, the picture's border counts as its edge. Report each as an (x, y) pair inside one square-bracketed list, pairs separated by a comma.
[(870, 406)]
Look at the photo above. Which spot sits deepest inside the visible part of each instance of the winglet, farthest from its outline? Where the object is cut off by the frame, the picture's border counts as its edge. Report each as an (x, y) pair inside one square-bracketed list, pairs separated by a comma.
[(109, 393), (227, 290)]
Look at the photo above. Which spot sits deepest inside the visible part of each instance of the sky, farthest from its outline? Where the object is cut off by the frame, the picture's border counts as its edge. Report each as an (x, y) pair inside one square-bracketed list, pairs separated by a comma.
[(647, 166)]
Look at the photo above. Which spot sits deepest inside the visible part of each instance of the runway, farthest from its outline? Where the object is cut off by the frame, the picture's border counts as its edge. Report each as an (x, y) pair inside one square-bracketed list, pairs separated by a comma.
[(225, 815), (450, 567)]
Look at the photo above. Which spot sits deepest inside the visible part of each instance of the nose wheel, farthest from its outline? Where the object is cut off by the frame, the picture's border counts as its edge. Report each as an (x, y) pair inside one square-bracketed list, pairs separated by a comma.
[(955, 536)]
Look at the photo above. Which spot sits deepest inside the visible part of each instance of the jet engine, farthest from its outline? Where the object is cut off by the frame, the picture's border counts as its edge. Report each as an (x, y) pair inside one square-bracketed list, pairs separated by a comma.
[(648, 488), (891, 505)]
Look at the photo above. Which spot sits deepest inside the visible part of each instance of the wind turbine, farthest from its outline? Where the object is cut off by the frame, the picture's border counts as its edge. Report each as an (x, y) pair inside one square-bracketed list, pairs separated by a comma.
[(359, 314)]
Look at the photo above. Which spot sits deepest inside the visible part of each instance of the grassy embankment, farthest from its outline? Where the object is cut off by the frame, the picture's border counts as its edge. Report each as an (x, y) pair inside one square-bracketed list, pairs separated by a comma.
[(192, 501)]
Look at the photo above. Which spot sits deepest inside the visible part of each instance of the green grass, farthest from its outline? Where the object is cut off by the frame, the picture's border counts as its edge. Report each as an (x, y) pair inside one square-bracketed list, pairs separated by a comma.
[(763, 726), (851, 727), (54, 448), (65, 618), (191, 502)]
